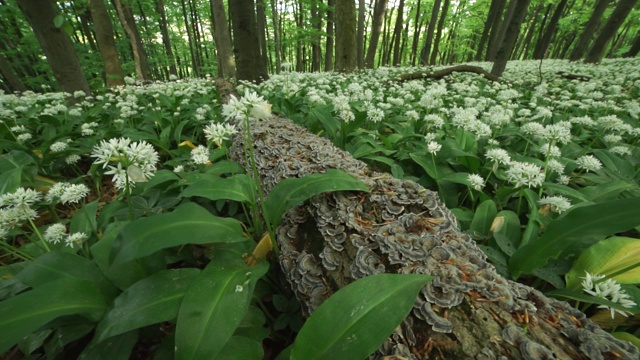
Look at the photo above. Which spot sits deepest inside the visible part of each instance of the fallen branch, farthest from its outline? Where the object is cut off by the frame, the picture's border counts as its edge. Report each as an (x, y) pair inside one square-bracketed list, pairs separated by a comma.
[(467, 311), (570, 76), (439, 74)]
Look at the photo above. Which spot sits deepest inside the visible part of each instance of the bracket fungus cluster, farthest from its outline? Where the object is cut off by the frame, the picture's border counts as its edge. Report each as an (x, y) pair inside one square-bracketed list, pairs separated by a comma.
[(468, 311)]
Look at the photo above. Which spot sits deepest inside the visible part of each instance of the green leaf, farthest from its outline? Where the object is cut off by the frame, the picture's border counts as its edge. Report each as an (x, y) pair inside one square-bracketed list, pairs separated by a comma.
[(187, 224), (578, 227), (116, 348), (355, 320), (609, 190), (53, 266), (608, 257), (242, 348), (483, 218), (149, 301), (572, 194), (27, 312), (213, 307), (84, 220), (582, 297), (212, 187), (58, 20), (290, 192)]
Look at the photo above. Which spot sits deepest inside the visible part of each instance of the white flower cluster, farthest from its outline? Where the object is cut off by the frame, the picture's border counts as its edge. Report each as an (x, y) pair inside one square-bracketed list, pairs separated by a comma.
[(524, 174), (200, 155), (217, 133), (588, 163), (135, 161), (67, 193), (16, 208), (250, 105), (608, 290), (58, 232), (558, 204)]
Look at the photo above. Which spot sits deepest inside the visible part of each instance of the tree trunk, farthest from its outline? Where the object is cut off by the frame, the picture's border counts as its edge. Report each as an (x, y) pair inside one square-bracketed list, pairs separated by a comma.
[(397, 34), (468, 311), (589, 29), (222, 39), (299, 16), (543, 43), (494, 11), (387, 39), (508, 15), (249, 65), (166, 40), (346, 53), (494, 35), (426, 49), (360, 34), (276, 35), (328, 54), (316, 23), (416, 35), (379, 12), (190, 40), (56, 45), (104, 36), (261, 22), (619, 14), (436, 44), (14, 82), (635, 47), (500, 63), (524, 54), (125, 14)]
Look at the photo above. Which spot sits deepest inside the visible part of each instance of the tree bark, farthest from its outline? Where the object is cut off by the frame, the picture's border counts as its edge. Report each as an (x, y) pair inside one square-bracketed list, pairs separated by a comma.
[(249, 65), (589, 29), (56, 45), (276, 35), (619, 14), (360, 34), (436, 44), (346, 43), (261, 22), (13, 81), (379, 12), (468, 311), (512, 31), (166, 40), (104, 36), (125, 14), (222, 39), (494, 11), (635, 47), (328, 53), (502, 32), (397, 34), (494, 35), (426, 49), (543, 43), (316, 23), (416, 35)]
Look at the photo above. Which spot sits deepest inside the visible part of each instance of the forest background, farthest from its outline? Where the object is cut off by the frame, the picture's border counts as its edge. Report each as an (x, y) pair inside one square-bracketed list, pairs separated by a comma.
[(152, 40)]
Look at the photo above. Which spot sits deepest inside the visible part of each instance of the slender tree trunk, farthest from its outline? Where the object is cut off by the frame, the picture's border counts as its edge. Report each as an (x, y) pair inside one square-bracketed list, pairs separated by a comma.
[(360, 34), (524, 53), (328, 53), (436, 44), (86, 29), (190, 40), (316, 22), (426, 48), (387, 39), (222, 39), (125, 15), (249, 64), (379, 12), (166, 40), (416, 35), (510, 37), (104, 36), (346, 54), (545, 41), (299, 16), (494, 11), (635, 47), (619, 14), (261, 22), (56, 45), (495, 45), (618, 40), (14, 82), (397, 34), (276, 35), (589, 29)]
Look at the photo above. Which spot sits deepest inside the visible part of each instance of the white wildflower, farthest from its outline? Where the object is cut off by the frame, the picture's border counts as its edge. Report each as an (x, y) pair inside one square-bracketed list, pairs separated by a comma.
[(58, 146), (55, 233), (608, 290), (588, 163), (433, 147), (476, 181), (498, 155), (524, 174), (558, 204), (200, 155)]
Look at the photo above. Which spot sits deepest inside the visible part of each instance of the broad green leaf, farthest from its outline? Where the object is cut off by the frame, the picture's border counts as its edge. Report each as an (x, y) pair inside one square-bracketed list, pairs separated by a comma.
[(508, 234), (84, 220), (290, 192), (355, 320), (224, 167), (578, 227), (212, 187), (149, 301), (213, 307), (187, 224), (54, 265), (483, 218), (242, 348), (608, 257), (627, 337), (435, 171), (572, 194), (27, 312), (252, 325), (116, 348), (609, 190), (58, 20), (615, 164), (583, 297)]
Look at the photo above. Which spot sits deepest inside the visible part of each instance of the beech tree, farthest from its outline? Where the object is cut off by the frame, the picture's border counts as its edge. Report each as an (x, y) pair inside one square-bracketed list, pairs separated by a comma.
[(589, 29), (226, 63), (106, 44), (619, 14), (249, 65), (56, 44), (512, 31), (125, 14), (346, 54), (379, 12)]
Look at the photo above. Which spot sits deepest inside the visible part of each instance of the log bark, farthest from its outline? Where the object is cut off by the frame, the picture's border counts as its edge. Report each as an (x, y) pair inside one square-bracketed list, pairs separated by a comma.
[(468, 311), (439, 74)]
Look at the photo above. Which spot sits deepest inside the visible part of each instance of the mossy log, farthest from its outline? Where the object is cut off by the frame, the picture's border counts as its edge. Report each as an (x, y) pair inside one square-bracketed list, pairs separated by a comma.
[(439, 74), (468, 311)]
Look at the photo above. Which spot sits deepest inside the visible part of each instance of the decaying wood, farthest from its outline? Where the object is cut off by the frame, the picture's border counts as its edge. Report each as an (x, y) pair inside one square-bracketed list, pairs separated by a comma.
[(468, 311), (439, 74), (570, 76)]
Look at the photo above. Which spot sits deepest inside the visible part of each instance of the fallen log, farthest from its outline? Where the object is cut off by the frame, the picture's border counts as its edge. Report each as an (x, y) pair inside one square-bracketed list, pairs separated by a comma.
[(439, 74), (468, 311), (571, 76)]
